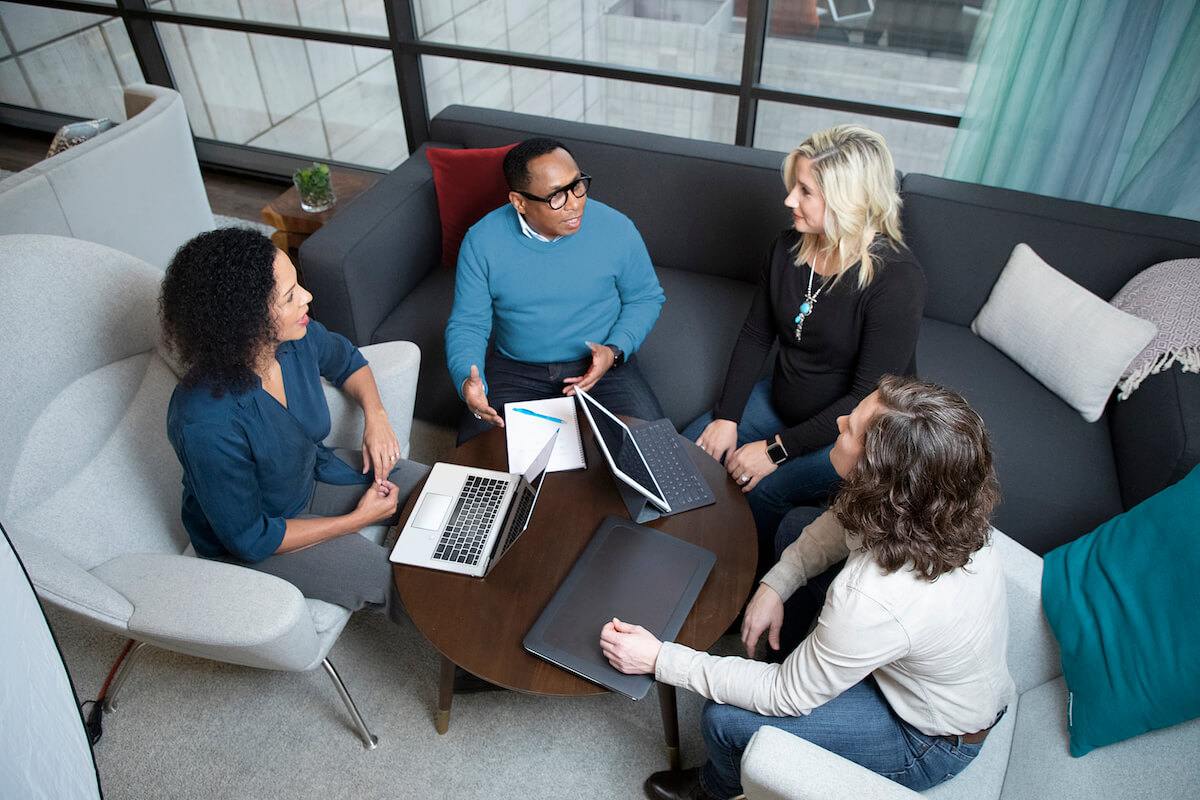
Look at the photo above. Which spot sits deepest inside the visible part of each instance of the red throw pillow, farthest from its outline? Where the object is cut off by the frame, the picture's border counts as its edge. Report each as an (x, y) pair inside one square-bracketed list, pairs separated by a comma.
[(469, 184)]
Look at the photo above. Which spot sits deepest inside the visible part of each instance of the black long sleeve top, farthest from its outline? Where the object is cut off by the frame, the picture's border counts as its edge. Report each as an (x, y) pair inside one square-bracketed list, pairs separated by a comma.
[(852, 338)]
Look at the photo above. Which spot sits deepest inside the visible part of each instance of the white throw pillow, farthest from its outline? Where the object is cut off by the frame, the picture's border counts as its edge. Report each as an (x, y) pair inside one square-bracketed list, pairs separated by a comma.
[(1076, 344)]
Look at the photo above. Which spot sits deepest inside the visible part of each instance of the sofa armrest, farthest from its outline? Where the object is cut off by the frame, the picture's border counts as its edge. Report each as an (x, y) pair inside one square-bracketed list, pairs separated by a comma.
[(214, 610), (1033, 654), (395, 366), (361, 264), (780, 766)]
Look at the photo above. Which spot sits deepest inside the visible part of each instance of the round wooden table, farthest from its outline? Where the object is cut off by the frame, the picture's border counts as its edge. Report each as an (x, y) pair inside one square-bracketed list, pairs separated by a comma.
[(479, 623)]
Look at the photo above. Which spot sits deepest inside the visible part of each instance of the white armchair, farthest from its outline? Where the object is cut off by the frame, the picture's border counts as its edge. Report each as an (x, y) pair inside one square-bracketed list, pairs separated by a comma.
[(90, 487), (1025, 755), (136, 187)]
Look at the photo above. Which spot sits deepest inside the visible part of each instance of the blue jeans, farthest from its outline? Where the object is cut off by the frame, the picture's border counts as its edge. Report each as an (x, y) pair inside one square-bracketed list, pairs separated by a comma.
[(802, 480), (621, 391), (858, 725)]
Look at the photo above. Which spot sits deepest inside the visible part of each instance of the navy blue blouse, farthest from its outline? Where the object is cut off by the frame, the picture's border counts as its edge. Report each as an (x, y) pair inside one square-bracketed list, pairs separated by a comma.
[(249, 464)]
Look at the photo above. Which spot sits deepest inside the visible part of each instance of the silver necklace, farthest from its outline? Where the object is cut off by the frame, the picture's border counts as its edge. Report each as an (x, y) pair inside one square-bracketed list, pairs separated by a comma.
[(810, 302)]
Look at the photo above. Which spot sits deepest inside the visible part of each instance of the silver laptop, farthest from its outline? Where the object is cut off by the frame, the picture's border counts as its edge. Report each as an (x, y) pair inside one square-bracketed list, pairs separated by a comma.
[(655, 475), (467, 518)]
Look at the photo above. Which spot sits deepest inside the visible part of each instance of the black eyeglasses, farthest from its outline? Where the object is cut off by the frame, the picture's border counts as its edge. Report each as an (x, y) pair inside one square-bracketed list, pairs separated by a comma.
[(579, 188)]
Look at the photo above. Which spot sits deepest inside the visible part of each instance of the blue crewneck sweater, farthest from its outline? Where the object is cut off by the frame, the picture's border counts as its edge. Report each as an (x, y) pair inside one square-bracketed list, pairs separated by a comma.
[(546, 300)]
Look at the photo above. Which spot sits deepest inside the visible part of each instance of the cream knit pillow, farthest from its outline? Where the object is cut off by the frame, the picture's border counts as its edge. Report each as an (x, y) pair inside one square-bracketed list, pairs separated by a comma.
[(1076, 344)]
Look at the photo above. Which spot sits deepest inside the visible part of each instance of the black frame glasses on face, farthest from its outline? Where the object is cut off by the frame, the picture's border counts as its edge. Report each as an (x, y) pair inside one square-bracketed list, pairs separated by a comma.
[(577, 187)]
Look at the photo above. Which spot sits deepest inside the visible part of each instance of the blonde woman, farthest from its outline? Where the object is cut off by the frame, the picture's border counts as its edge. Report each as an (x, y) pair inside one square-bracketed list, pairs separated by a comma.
[(842, 296)]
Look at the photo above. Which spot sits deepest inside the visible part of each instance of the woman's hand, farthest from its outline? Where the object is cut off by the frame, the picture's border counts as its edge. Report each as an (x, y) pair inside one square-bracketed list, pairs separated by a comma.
[(750, 464), (379, 502), (719, 439), (764, 612), (629, 648), (380, 449)]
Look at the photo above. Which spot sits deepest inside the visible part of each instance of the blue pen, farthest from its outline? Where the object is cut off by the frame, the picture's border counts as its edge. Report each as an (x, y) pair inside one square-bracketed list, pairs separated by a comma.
[(535, 414)]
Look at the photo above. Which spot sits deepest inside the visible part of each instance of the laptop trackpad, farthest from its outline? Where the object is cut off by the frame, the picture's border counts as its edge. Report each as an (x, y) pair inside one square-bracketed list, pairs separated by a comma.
[(431, 512)]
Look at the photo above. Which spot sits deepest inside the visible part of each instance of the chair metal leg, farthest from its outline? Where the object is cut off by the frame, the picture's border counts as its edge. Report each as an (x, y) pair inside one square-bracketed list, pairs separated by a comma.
[(131, 658), (370, 740)]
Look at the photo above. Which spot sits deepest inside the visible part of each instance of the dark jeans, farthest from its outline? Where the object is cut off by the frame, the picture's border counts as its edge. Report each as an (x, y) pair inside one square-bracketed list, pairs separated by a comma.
[(621, 391), (858, 725), (800, 480)]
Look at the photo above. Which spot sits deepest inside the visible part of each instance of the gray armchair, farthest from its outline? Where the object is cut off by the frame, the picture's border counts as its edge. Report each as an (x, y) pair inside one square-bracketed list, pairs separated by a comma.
[(1026, 753), (90, 487)]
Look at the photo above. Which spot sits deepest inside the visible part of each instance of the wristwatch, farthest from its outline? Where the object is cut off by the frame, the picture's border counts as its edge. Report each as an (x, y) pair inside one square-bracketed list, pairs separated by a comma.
[(777, 452), (618, 355)]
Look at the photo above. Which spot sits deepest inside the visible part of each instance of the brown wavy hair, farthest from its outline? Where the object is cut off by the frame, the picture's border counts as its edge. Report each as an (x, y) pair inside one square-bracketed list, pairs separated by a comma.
[(924, 490)]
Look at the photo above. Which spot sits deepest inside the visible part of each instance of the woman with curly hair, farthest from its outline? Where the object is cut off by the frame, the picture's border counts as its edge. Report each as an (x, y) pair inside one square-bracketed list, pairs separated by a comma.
[(842, 297), (905, 671), (248, 419)]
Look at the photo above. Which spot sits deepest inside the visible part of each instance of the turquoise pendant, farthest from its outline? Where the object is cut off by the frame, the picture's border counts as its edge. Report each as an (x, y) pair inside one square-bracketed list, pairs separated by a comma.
[(806, 308)]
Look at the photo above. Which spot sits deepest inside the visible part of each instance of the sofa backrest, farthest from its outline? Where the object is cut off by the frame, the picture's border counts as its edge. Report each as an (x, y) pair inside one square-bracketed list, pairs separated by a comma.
[(963, 234), (136, 187), (85, 465), (700, 206)]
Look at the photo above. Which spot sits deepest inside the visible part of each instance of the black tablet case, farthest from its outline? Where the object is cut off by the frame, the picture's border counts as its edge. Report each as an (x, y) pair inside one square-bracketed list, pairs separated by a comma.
[(628, 571)]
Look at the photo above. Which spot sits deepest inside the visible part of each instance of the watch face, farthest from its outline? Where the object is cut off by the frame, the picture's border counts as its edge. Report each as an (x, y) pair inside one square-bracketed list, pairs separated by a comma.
[(776, 452)]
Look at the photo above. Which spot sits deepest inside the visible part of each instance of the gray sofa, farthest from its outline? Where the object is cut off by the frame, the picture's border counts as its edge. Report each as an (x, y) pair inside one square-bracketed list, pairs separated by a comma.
[(708, 213)]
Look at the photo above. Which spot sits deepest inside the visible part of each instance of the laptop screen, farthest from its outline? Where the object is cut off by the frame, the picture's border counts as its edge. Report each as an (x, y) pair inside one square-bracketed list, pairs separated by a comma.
[(621, 451)]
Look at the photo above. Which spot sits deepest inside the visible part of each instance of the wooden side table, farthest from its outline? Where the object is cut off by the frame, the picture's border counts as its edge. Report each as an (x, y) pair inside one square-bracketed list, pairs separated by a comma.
[(293, 224)]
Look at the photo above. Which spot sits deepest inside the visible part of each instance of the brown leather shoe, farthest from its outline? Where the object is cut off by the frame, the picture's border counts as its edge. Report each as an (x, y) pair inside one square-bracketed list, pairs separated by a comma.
[(681, 784)]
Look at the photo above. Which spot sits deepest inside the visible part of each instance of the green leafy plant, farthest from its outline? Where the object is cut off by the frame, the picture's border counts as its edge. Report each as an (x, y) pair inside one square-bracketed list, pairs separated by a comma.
[(316, 187)]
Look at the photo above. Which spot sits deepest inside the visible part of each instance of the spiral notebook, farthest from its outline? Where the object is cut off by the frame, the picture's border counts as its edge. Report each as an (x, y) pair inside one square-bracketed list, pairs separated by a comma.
[(527, 425)]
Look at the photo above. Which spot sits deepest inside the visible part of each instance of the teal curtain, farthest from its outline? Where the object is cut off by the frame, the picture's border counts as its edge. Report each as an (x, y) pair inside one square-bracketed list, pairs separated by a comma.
[(1093, 100)]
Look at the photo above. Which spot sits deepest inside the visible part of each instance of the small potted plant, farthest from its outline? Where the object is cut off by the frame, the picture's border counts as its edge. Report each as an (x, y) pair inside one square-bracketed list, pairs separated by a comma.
[(315, 185)]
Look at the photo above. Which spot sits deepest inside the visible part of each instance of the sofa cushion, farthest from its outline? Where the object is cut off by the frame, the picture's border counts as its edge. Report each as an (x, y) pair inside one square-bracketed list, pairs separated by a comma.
[(686, 354), (1165, 413), (1159, 764), (469, 184), (1057, 474), (962, 233), (1076, 344), (1119, 601)]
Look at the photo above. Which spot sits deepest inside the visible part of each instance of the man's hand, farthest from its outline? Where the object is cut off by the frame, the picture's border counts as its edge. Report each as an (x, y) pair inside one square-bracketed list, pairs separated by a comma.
[(379, 502), (380, 449), (764, 612), (477, 402), (750, 464), (602, 361), (719, 438), (629, 648)]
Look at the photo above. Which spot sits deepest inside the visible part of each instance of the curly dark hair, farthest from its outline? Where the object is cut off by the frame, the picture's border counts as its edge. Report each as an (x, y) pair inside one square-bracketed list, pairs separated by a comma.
[(516, 160), (215, 307), (924, 490)]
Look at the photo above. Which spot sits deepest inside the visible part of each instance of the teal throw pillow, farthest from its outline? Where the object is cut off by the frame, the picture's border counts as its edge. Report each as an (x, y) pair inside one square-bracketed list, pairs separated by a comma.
[(1122, 603)]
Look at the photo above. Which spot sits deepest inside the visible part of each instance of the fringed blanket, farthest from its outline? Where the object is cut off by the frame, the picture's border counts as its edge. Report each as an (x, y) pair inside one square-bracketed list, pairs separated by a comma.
[(1167, 294)]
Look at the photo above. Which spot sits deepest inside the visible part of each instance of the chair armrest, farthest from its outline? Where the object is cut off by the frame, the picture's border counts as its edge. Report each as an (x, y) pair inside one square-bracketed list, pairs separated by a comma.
[(780, 766), (361, 264), (1033, 654), (395, 366), (63, 583), (214, 610)]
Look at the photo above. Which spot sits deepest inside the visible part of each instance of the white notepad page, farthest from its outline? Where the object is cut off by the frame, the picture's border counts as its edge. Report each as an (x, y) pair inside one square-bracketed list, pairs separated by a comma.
[(527, 434)]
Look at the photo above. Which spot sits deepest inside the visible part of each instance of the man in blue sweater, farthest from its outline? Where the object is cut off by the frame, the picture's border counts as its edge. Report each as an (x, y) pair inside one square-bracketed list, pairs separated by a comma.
[(570, 302)]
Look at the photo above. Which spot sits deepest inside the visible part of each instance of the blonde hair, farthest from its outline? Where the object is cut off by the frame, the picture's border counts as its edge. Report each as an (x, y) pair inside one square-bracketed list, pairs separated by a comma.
[(854, 172)]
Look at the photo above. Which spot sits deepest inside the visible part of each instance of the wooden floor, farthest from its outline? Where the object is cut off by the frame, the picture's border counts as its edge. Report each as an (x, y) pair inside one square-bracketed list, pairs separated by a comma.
[(228, 194)]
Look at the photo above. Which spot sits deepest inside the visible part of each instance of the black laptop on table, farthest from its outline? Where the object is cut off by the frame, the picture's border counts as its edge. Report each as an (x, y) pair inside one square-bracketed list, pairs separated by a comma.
[(654, 473)]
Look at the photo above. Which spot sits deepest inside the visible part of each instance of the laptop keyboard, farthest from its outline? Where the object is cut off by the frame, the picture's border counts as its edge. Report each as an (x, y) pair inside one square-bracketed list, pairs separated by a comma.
[(665, 454), (464, 536)]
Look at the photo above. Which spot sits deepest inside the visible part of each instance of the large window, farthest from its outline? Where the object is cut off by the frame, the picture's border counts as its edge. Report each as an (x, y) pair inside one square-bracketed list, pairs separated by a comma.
[(356, 81)]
